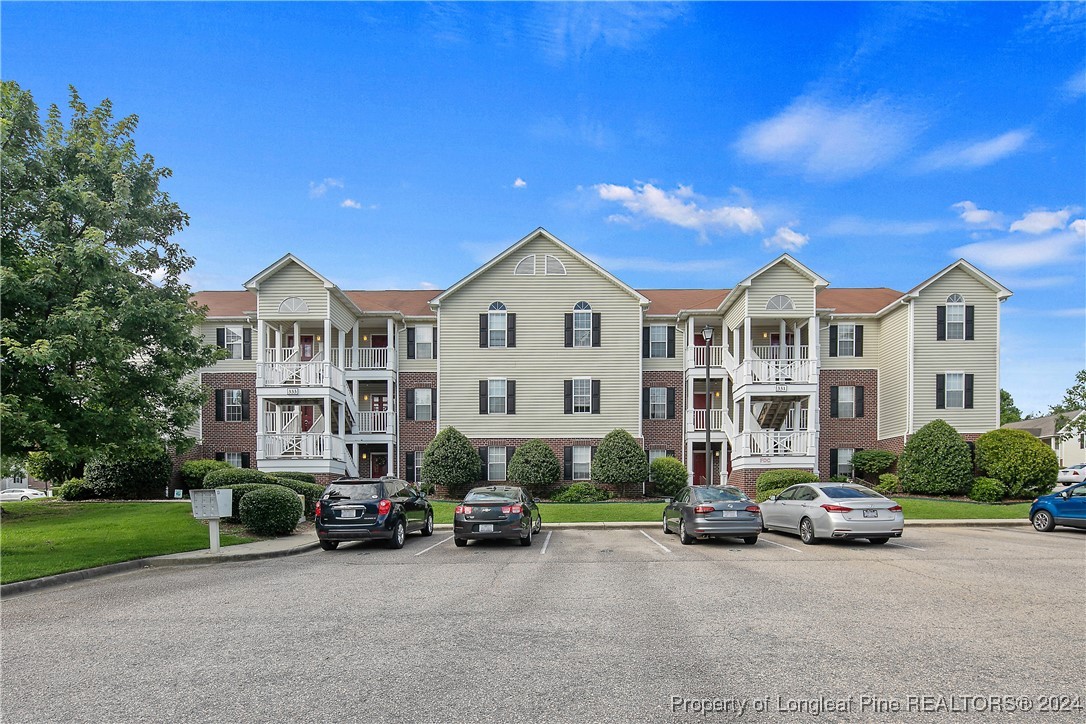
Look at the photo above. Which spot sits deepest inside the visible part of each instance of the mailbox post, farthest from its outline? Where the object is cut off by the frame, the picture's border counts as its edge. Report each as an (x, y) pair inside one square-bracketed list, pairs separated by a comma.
[(210, 505)]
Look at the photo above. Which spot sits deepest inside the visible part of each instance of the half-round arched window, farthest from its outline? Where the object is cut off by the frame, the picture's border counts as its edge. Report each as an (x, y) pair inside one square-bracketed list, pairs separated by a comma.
[(497, 325), (553, 266), (780, 302), (526, 266), (582, 324), (293, 305), (955, 317)]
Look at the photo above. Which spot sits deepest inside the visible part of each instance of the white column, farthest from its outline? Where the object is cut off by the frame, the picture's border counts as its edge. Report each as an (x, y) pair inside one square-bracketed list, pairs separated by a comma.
[(260, 336), (814, 338), (297, 338), (342, 349), (327, 339), (784, 339), (342, 419)]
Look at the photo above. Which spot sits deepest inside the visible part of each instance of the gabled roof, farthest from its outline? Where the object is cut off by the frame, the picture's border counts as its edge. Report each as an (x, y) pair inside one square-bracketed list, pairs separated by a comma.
[(669, 302), (1043, 427), (408, 302), (226, 304), (856, 301), (817, 281), (288, 258), (539, 232), (1001, 291)]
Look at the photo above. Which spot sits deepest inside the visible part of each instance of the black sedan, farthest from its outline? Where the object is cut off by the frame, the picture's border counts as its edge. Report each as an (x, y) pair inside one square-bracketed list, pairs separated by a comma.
[(496, 511), (701, 511), (371, 509)]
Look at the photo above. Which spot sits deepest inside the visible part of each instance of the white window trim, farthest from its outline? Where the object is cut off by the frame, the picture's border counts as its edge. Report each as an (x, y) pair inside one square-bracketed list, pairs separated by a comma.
[(842, 465), (493, 315), (233, 458), (581, 315), (525, 267), (493, 452), (234, 345), (946, 390), (490, 396), (851, 402), (653, 328), (840, 327), (420, 331), (661, 406), (959, 322), (229, 405), (586, 464), (559, 271), (587, 396), (429, 406)]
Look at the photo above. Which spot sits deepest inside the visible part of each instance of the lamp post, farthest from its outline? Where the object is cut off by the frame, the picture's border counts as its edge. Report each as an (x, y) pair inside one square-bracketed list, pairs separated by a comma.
[(707, 334)]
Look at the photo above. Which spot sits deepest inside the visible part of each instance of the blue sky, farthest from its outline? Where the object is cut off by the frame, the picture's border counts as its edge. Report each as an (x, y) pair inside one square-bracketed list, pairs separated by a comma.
[(680, 145)]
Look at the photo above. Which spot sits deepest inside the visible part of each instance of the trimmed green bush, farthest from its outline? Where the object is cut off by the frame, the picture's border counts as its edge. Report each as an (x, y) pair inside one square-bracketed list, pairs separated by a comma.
[(1024, 464), (140, 478), (75, 489), (781, 479), (987, 490), (936, 461), (235, 476), (450, 460), (311, 491), (194, 471), (581, 493), (873, 462), (240, 491), (534, 466), (300, 477), (620, 461), (889, 484), (669, 476), (270, 510), (766, 494)]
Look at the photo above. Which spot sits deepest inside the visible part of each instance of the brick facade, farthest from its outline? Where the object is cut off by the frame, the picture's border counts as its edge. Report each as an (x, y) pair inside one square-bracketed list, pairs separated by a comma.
[(665, 434), (858, 433), (415, 435), (222, 436)]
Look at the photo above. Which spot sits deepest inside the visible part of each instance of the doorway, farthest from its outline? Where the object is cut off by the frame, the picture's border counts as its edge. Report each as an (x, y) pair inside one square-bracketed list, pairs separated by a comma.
[(379, 465)]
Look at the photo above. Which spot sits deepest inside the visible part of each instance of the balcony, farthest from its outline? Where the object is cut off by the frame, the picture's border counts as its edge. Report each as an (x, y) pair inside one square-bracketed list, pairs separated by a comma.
[(371, 423), (718, 419), (719, 358), (778, 443), (775, 351), (300, 446), (778, 372), (299, 374), (364, 358)]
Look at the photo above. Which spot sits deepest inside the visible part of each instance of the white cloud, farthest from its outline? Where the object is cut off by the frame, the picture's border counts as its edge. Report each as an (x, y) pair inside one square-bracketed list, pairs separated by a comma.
[(1035, 282), (519, 183), (679, 208), (970, 214), (566, 30), (857, 226), (1041, 222), (316, 190), (1079, 227), (350, 204), (976, 153), (1075, 86), (427, 285), (816, 138), (786, 238), (1058, 18), (1011, 253)]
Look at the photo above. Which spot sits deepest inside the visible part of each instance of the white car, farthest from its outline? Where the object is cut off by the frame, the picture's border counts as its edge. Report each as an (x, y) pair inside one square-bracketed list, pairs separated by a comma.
[(1072, 475), (833, 510), (20, 494)]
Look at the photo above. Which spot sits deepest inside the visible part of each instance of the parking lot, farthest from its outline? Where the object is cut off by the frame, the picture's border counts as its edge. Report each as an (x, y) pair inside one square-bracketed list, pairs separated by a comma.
[(585, 625)]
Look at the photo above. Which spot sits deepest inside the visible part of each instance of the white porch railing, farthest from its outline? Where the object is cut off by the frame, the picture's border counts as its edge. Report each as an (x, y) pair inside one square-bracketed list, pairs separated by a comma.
[(306, 445), (696, 420), (299, 374), (770, 372), (778, 442), (718, 357), (373, 422), (775, 351), (363, 358)]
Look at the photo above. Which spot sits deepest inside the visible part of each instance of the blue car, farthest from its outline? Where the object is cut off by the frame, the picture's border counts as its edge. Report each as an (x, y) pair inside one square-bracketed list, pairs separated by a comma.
[(1067, 507)]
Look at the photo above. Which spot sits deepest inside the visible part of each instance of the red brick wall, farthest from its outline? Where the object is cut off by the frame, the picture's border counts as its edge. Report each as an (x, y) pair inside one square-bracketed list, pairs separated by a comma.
[(224, 436), (836, 432), (414, 435), (665, 434)]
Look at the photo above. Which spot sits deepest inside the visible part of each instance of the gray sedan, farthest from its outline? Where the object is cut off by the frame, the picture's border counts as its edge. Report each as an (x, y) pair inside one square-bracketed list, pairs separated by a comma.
[(833, 510), (700, 511)]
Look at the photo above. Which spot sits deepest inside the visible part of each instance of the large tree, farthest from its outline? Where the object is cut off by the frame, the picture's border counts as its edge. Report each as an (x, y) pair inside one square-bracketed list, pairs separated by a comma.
[(96, 330), (1008, 411), (1074, 400)]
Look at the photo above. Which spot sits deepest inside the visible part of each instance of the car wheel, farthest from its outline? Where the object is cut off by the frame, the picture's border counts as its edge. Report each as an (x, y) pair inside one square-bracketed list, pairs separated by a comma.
[(1043, 521), (25, 497), (750, 540), (428, 526), (527, 540), (329, 545), (806, 532), (684, 538), (538, 524), (460, 542), (667, 531), (398, 535), (877, 541)]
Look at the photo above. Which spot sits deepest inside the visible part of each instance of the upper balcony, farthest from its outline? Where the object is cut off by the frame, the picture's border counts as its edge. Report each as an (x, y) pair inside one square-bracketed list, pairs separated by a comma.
[(778, 368), (364, 358), (295, 374), (720, 360)]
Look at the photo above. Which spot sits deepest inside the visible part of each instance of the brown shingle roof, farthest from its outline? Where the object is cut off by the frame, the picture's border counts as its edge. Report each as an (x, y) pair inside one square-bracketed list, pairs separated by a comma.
[(226, 304), (856, 301), (670, 301), (411, 302)]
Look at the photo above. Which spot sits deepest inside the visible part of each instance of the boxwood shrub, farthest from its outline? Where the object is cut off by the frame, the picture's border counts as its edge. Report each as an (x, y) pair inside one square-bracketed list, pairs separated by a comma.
[(781, 479), (311, 492), (270, 510), (194, 471), (75, 489), (240, 491), (889, 484), (235, 476), (936, 461), (987, 490), (1027, 466), (137, 478), (581, 493), (534, 467), (620, 461), (301, 477), (873, 462), (668, 476), (766, 494)]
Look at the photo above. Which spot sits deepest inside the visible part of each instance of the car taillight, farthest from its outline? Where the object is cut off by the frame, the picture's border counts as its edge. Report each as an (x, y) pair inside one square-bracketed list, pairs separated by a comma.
[(894, 508), (836, 508), (317, 510), (514, 509), (704, 509), (384, 506), (753, 509), (463, 510)]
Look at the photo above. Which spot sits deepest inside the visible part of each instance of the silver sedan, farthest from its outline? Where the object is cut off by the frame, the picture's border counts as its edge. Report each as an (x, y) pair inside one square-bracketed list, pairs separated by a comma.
[(700, 511), (833, 510)]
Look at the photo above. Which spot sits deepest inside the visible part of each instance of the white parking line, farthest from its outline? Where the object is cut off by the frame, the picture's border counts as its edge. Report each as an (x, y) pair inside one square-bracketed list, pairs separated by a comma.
[(902, 545), (762, 539), (546, 542), (435, 545), (666, 549)]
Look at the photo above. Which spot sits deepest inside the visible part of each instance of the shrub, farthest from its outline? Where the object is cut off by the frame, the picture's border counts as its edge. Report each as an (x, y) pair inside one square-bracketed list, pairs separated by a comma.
[(873, 462), (987, 490), (936, 461), (534, 466), (44, 466), (450, 460), (889, 484), (1025, 465), (75, 489), (620, 461), (240, 491), (311, 491), (669, 476), (228, 476), (194, 471), (300, 477), (766, 494), (136, 478), (781, 479), (270, 510), (581, 493)]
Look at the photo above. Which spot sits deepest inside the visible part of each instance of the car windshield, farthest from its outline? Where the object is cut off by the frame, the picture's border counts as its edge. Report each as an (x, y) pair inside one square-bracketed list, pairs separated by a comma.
[(844, 491), (490, 494), (712, 495), (354, 491)]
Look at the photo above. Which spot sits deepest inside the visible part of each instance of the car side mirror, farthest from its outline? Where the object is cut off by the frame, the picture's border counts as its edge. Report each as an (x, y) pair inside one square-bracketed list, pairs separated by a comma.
[(667, 501), (1065, 494), (771, 499)]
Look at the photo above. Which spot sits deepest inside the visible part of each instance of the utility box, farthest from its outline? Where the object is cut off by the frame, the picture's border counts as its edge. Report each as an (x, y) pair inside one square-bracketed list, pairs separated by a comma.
[(211, 504)]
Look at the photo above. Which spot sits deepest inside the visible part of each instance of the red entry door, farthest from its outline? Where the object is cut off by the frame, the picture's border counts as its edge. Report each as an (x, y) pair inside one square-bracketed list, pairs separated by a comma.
[(699, 468), (379, 465), (380, 403), (379, 340), (307, 417), (306, 347)]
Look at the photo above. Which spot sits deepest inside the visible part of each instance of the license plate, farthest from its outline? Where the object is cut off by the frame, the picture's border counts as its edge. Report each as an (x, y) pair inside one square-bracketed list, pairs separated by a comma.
[(348, 514), (729, 514), (868, 513), (486, 527)]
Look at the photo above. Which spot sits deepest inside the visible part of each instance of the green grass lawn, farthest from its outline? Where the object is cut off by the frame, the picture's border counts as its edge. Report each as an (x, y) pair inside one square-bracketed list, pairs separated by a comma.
[(43, 537), (934, 509)]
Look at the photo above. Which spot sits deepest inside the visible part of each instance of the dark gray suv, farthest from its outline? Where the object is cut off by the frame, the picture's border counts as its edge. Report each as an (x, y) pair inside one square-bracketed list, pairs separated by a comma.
[(372, 509)]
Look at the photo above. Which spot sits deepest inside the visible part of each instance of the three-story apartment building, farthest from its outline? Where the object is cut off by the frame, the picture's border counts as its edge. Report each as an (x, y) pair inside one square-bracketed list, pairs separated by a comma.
[(541, 342)]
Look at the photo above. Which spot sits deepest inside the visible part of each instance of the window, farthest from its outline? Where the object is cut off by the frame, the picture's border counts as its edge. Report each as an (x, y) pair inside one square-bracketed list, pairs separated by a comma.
[(780, 302), (495, 469), (413, 468), (553, 266), (238, 341), (656, 453), (235, 458), (658, 340), (582, 395), (293, 305), (582, 325), (232, 402), (582, 463), (955, 317), (844, 461), (496, 399), (525, 267), (232, 338), (657, 403), (846, 340), (424, 342), (955, 390), (846, 402), (496, 323), (424, 409)]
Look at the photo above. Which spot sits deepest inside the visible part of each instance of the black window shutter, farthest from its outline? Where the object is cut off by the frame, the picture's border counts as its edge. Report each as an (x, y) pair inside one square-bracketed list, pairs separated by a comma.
[(940, 392), (596, 317), (671, 403), (409, 408), (484, 458), (245, 461), (833, 340), (510, 450), (247, 343), (484, 331), (569, 329), (670, 453), (592, 455), (245, 406), (835, 409), (567, 463), (645, 394), (433, 344), (410, 343), (568, 397), (433, 403), (645, 342), (220, 336), (859, 340), (511, 397), (595, 397), (833, 462), (511, 330), (969, 392), (969, 321), (409, 472), (220, 456), (484, 393), (859, 401), (671, 341), (220, 405), (940, 323)]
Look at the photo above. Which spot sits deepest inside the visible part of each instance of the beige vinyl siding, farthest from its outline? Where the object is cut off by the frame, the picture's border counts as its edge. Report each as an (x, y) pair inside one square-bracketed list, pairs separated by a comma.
[(418, 365), (872, 335), (540, 362), (342, 317), (893, 363), (781, 279), (978, 357), (737, 312), (292, 281), (209, 337), (667, 364)]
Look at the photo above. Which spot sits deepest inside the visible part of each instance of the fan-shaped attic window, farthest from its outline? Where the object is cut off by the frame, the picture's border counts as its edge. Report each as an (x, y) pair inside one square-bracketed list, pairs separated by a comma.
[(780, 302), (553, 266), (526, 266), (293, 305)]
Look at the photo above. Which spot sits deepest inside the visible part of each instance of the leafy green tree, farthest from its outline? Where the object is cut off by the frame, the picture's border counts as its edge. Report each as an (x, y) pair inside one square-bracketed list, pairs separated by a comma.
[(620, 461), (1008, 411), (1074, 399), (450, 460), (1020, 461), (534, 466), (96, 341), (936, 461)]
